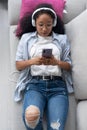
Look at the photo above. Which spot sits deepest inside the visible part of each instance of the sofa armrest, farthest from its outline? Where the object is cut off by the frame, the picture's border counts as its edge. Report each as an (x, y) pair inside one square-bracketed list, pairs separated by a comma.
[(14, 11)]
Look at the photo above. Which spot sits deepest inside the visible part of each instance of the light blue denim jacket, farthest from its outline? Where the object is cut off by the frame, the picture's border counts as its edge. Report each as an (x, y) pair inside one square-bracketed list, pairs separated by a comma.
[(26, 42)]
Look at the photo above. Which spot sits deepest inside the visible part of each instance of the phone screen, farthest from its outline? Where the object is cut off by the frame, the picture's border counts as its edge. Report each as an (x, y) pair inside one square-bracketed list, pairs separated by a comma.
[(47, 53)]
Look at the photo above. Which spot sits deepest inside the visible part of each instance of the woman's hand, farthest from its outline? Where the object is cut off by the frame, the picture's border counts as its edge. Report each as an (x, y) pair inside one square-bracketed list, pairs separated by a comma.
[(49, 61), (53, 61), (36, 61)]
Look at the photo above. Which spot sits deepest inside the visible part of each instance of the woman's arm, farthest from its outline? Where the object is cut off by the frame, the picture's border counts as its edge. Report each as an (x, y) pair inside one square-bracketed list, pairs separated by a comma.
[(64, 65), (20, 65), (53, 61)]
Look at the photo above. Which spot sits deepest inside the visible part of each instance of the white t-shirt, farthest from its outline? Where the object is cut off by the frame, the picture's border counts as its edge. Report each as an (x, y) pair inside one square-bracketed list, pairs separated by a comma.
[(36, 50)]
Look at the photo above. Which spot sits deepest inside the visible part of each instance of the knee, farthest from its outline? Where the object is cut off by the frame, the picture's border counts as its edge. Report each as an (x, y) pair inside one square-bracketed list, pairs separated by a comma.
[(32, 116)]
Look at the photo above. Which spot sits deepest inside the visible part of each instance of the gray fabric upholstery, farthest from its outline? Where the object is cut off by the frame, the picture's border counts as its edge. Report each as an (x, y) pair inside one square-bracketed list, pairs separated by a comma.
[(82, 115), (77, 33), (74, 8), (14, 11)]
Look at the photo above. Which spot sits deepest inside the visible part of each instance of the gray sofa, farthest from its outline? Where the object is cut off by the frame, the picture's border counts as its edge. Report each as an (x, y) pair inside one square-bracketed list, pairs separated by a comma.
[(76, 28)]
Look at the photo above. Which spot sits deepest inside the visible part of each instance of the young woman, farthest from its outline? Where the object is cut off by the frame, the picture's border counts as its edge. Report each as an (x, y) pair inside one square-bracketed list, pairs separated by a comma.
[(41, 57)]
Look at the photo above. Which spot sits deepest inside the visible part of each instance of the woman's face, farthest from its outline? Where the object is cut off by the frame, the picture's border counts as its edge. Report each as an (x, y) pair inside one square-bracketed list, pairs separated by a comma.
[(44, 24)]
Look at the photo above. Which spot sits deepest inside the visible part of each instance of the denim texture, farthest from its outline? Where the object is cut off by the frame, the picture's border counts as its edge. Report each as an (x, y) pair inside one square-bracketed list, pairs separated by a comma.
[(51, 97)]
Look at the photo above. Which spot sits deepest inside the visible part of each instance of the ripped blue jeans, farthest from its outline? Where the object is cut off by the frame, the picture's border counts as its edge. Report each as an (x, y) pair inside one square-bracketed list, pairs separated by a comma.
[(50, 96)]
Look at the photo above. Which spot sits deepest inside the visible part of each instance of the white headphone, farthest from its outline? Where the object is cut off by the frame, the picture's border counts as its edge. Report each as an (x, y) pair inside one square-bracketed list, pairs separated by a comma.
[(44, 8)]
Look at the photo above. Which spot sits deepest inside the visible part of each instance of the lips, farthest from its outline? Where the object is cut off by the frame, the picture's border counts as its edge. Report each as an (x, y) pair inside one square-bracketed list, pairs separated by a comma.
[(46, 34)]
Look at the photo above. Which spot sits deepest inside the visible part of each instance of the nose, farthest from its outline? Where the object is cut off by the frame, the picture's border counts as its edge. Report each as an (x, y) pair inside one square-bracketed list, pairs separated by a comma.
[(44, 28)]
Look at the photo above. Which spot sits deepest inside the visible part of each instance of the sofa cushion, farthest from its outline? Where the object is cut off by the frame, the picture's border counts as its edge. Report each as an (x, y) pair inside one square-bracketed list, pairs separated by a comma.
[(13, 79), (27, 7), (73, 8), (82, 115), (13, 46), (77, 34), (13, 11)]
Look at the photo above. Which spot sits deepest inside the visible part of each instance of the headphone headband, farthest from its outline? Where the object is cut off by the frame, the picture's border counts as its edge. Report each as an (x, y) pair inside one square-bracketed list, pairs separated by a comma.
[(44, 8)]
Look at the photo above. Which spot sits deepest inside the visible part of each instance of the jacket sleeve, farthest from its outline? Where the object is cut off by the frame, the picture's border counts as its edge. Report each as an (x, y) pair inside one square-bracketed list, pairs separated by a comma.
[(66, 50)]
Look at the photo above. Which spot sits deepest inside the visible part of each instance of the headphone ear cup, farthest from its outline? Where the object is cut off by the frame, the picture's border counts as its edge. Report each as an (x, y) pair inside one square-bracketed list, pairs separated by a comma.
[(33, 22), (55, 22)]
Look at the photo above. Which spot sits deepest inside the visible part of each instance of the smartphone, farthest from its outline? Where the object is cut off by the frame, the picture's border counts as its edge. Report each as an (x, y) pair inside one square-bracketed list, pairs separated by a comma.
[(47, 53)]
